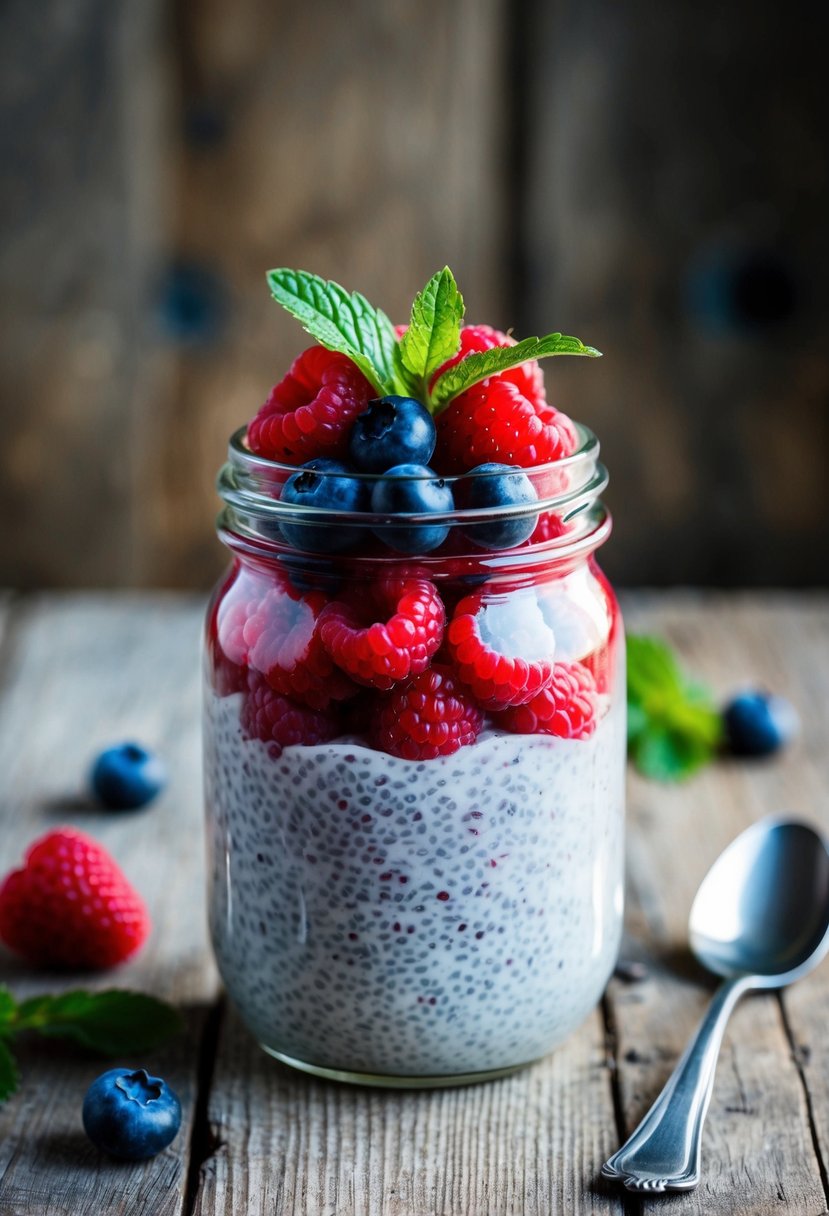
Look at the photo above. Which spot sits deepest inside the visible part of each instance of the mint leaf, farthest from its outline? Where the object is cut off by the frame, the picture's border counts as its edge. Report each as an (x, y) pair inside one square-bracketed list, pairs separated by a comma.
[(114, 1022), (340, 322), (673, 725), (9, 1077), (477, 367), (8, 1008), (434, 333)]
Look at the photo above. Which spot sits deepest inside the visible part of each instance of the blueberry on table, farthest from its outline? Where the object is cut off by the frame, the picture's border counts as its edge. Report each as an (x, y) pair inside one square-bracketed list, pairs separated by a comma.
[(330, 486), (759, 723), (127, 776), (393, 430), (500, 485), (130, 1115), (412, 489)]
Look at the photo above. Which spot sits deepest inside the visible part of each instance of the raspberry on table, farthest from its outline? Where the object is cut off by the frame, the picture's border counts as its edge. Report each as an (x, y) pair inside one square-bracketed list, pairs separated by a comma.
[(432, 715), (71, 905), (280, 722), (501, 648), (567, 708), (310, 412), (382, 652), (282, 641)]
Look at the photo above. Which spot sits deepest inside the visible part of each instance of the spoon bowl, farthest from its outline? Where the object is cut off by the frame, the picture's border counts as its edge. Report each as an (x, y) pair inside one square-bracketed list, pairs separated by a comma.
[(763, 908)]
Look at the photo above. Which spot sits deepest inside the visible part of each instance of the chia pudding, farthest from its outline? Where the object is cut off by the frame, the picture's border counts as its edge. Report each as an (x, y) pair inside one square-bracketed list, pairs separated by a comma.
[(385, 916)]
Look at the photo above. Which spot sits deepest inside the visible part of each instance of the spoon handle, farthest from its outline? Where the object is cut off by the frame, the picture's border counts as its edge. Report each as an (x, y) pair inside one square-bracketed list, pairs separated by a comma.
[(663, 1154)]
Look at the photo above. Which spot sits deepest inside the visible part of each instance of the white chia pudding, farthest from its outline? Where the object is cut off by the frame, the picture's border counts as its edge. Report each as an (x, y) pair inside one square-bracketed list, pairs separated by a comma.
[(386, 916)]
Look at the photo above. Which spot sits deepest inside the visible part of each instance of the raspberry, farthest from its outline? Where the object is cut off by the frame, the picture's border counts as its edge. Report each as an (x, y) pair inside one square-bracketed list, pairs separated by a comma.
[(430, 716), (495, 421), (567, 708), (380, 653), (499, 649), (70, 905), (283, 641), (310, 412), (276, 720), (549, 526), (528, 377)]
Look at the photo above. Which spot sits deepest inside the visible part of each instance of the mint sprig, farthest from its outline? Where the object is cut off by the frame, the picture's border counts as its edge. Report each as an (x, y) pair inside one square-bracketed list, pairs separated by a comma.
[(479, 366), (434, 332), (114, 1022), (340, 322), (674, 727)]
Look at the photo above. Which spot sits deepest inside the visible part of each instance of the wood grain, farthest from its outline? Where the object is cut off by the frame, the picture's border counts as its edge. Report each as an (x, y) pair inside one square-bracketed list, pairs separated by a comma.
[(78, 675)]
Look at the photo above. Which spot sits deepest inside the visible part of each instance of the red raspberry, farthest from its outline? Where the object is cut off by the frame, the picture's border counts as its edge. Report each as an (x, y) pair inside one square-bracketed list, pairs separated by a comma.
[(549, 526), (310, 412), (380, 653), (70, 905), (430, 716), (495, 421), (567, 708), (499, 648), (283, 641), (224, 645), (269, 716), (528, 377)]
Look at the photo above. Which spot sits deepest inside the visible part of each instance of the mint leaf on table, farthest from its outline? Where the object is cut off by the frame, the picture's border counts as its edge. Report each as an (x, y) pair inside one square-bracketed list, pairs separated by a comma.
[(9, 1077), (341, 322), (477, 367), (434, 331), (673, 726)]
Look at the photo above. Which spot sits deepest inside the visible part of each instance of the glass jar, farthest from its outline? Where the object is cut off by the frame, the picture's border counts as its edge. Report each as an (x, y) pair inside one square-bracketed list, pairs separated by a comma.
[(431, 916)]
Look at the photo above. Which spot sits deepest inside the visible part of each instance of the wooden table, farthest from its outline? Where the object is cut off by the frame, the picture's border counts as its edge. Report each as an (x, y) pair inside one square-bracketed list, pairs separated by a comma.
[(83, 671)]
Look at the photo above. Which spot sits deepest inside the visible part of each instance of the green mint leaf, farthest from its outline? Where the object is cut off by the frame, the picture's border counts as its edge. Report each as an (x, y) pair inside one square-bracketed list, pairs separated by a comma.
[(673, 725), (114, 1022), (477, 367), (8, 1008), (434, 332), (9, 1077), (340, 322)]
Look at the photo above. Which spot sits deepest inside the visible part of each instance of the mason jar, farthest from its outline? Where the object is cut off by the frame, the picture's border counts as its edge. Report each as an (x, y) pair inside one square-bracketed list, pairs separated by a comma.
[(414, 777)]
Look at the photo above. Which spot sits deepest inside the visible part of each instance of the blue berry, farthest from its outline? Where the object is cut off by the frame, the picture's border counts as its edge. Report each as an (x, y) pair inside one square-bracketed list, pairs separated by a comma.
[(759, 723), (415, 489), (499, 485), (130, 1115), (393, 430), (127, 776), (331, 486)]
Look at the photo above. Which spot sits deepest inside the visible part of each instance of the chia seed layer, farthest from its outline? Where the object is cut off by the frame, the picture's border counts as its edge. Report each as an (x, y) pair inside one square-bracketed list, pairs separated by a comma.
[(409, 918)]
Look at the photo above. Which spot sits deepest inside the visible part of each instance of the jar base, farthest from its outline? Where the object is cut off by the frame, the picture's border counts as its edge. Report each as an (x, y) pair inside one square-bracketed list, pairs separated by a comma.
[(381, 1081)]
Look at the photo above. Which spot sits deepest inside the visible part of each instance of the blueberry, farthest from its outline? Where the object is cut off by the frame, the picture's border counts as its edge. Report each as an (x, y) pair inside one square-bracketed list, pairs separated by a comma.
[(127, 776), (505, 486), (759, 723), (416, 489), (393, 430), (130, 1115), (329, 485)]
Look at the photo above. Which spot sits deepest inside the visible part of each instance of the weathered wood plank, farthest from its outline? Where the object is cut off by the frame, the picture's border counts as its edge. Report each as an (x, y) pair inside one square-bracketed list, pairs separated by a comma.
[(530, 1143), (758, 1150), (81, 673)]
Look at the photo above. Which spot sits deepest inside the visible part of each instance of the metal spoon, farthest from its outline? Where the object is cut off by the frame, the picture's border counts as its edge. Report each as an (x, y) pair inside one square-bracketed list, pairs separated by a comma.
[(761, 919)]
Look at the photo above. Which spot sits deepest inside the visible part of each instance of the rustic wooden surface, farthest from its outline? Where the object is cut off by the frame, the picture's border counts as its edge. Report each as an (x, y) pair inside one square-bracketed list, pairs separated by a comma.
[(82, 671)]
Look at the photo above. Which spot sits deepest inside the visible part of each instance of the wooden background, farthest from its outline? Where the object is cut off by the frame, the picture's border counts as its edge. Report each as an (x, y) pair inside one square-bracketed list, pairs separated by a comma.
[(650, 177)]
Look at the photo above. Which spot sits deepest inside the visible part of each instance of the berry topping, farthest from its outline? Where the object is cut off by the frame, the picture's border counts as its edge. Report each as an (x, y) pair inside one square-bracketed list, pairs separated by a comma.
[(495, 421), (430, 716), (393, 430), (548, 526), (70, 905), (527, 377), (269, 716), (325, 484), (380, 653), (500, 485), (568, 707), (502, 649), (130, 1115), (759, 723), (127, 776), (283, 642), (412, 489), (311, 411)]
